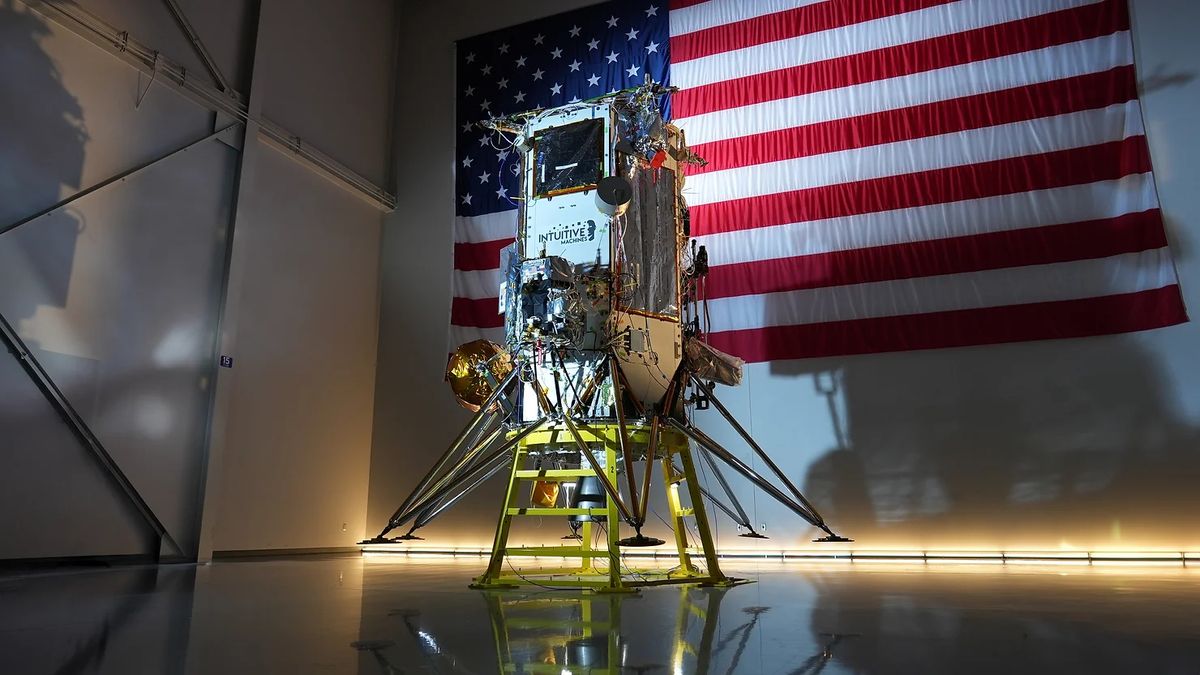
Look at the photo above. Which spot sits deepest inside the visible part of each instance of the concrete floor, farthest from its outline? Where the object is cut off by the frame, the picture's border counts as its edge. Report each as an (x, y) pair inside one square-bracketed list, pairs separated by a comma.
[(390, 614)]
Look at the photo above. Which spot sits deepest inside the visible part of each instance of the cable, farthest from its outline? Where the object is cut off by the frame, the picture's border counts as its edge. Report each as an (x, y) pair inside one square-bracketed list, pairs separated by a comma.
[(621, 559), (534, 583)]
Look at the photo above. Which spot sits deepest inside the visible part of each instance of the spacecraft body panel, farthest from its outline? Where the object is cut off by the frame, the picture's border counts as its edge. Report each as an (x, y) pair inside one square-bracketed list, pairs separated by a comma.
[(568, 152), (595, 271)]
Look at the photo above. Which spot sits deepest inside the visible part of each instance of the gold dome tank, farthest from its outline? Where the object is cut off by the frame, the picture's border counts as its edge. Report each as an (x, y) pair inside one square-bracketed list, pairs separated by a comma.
[(473, 371)]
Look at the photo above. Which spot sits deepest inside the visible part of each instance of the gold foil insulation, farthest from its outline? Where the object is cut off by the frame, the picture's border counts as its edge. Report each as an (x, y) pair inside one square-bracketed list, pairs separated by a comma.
[(544, 494), (469, 368)]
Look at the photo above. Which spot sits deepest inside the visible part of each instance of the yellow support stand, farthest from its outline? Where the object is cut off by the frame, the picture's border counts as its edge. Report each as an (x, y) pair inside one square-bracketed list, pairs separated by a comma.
[(601, 568)]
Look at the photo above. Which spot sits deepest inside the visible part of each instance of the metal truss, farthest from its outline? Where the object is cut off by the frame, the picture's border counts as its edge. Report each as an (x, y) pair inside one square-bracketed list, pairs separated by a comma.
[(219, 98)]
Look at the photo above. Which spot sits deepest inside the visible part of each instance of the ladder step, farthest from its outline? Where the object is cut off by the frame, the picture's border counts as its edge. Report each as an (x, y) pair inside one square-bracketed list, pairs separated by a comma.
[(554, 474), (683, 513), (523, 622), (536, 511), (557, 551)]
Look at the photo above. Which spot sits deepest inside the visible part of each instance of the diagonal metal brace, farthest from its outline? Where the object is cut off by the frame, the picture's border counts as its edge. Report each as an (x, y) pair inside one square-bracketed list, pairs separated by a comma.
[(762, 454), (186, 26), (464, 438), (117, 178), (59, 402), (741, 518), (428, 508), (750, 474)]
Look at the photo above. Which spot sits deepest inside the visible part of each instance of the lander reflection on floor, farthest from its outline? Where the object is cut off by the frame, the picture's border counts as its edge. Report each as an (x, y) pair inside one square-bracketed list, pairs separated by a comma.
[(580, 632)]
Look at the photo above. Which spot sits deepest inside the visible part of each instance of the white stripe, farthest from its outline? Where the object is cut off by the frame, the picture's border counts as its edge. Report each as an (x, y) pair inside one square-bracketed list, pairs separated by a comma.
[(462, 334), (1128, 273), (859, 38), (720, 12), (1074, 204), (477, 284), (1048, 134), (1005, 72), (485, 227)]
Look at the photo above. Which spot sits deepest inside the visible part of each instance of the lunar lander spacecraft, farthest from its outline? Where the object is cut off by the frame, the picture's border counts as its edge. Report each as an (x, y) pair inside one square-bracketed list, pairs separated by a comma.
[(604, 357)]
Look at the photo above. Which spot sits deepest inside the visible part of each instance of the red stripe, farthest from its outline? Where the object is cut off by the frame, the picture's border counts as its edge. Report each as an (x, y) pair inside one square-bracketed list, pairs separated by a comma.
[(990, 42), (1076, 166), (788, 24), (1013, 323), (994, 250), (680, 4), (1084, 92), (483, 255), (481, 313)]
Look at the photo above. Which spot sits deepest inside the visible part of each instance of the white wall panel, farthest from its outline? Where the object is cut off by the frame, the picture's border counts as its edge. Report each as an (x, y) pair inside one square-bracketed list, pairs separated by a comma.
[(119, 293)]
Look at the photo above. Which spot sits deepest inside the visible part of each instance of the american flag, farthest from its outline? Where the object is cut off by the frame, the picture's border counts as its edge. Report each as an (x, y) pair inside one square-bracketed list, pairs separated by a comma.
[(883, 174)]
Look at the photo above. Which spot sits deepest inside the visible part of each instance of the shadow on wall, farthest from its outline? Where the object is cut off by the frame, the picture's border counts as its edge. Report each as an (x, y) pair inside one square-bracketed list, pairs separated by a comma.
[(49, 156), (1038, 445), (121, 316)]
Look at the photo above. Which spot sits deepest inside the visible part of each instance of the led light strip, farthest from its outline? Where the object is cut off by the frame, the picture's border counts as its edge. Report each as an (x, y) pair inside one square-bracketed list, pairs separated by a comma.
[(1176, 558)]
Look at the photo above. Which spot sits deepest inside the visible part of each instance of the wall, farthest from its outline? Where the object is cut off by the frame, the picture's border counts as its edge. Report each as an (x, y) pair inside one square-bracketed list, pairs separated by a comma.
[(119, 295), (1090, 443), (298, 448)]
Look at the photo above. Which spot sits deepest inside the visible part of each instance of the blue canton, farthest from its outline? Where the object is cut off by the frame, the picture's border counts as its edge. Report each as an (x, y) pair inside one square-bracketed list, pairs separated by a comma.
[(544, 64)]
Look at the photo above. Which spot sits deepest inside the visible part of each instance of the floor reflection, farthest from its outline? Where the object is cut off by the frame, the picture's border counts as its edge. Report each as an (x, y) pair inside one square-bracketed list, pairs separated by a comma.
[(409, 615), (96, 621), (802, 620)]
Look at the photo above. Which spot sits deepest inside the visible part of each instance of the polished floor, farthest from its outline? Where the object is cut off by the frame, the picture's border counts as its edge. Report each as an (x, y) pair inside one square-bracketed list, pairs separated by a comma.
[(391, 614)]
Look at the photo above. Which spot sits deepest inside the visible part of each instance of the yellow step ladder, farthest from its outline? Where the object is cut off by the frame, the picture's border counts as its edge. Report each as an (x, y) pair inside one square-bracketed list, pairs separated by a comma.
[(600, 568)]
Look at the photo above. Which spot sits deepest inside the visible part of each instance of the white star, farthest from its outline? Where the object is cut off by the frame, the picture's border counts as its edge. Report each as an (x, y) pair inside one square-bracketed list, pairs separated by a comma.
[(594, 44), (537, 74), (466, 199), (574, 100), (502, 155), (469, 91), (632, 70), (612, 22), (652, 11), (652, 47), (632, 34), (471, 57), (504, 48), (467, 162), (502, 193), (520, 97), (467, 127), (520, 61), (503, 83), (556, 89), (487, 70), (594, 80), (557, 53), (574, 65), (483, 178), (488, 104), (483, 140), (574, 31), (612, 57), (539, 39)]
